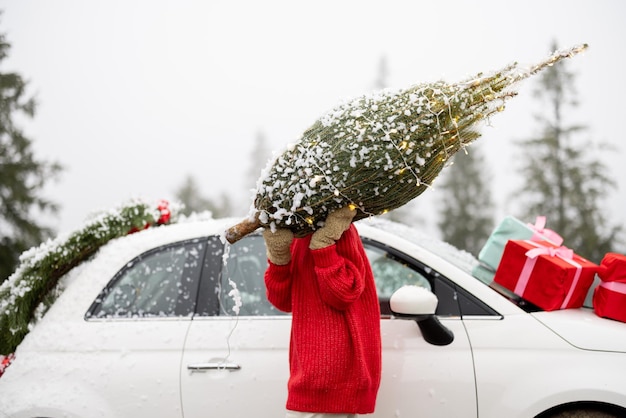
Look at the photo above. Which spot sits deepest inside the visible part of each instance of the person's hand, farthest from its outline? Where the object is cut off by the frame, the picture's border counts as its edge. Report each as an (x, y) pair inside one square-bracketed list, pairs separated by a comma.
[(336, 224), (278, 245)]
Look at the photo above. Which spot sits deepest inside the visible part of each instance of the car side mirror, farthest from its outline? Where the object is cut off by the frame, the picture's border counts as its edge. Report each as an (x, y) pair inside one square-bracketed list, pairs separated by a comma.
[(419, 304)]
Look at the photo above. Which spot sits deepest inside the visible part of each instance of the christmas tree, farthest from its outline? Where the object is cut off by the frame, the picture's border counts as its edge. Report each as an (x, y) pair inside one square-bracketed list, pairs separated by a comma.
[(30, 290), (378, 152)]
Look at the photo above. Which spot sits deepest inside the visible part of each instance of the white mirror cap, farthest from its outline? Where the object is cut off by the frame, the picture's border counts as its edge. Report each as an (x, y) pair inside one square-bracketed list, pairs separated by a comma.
[(413, 300)]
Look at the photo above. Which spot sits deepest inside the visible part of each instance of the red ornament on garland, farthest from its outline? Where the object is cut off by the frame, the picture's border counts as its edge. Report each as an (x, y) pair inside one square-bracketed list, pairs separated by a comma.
[(164, 218), (166, 214), (5, 361)]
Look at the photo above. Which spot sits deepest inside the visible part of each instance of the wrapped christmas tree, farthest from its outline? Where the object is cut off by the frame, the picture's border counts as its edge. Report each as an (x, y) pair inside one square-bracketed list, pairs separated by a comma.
[(380, 151)]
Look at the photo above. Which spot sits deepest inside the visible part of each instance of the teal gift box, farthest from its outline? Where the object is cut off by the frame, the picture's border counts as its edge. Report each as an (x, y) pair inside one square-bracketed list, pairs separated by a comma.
[(483, 273), (511, 228)]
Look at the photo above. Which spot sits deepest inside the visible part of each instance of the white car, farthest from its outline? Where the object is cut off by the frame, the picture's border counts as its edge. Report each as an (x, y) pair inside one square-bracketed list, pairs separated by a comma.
[(149, 328)]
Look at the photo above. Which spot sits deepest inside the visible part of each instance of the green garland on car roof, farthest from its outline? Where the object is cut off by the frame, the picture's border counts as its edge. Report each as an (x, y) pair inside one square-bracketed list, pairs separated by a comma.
[(31, 286)]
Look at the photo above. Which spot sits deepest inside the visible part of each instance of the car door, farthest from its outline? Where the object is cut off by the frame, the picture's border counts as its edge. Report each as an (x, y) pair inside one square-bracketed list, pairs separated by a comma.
[(419, 378), (237, 364), (133, 333)]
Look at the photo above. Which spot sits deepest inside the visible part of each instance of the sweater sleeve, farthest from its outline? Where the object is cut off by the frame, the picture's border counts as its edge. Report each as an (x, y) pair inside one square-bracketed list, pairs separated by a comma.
[(278, 286), (340, 276)]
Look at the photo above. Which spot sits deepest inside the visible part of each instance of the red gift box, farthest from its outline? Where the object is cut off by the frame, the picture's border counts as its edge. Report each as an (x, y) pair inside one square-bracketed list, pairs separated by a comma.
[(609, 298), (544, 274)]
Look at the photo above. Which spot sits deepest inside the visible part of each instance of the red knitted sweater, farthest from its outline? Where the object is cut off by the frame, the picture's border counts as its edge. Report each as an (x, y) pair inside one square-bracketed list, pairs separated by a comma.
[(335, 349)]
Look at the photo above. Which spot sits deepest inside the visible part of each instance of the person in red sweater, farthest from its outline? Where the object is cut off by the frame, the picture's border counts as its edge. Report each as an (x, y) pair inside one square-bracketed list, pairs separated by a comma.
[(326, 282)]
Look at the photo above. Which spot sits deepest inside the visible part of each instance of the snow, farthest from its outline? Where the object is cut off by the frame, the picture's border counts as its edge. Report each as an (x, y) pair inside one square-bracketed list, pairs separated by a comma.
[(460, 258), (234, 293)]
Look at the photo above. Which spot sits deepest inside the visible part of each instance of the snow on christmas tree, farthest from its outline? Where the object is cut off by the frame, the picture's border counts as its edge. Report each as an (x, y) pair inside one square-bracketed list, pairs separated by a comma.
[(380, 151), (30, 290)]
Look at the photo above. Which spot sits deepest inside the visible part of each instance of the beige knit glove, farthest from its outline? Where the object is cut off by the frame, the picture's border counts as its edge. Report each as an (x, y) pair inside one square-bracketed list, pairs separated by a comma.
[(277, 245), (336, 223)]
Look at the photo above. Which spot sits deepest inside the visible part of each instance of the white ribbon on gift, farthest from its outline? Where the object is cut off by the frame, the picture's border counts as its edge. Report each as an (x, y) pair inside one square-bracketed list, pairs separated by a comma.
[(563, 253), (618, 287)]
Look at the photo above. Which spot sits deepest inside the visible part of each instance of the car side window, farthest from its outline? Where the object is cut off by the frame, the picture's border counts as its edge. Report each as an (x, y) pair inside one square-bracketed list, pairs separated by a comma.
[(244, 270), (393, 269), (390, 273), (160, 283)]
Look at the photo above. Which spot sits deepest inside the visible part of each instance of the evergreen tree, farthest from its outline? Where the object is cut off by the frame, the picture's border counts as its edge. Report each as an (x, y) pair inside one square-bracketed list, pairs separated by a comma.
[(383, 73), (22, 175), (222, 207), (259, 156), (563, 179), (466, 219), (191, 197)]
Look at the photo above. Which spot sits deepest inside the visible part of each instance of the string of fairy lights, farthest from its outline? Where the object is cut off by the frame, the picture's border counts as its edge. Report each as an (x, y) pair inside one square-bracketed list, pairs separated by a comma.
[(380, 151)]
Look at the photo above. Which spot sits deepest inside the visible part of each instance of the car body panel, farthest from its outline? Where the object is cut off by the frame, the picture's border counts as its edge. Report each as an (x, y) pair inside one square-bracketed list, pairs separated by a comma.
[(584, 329), (258, 345), (110, 351), (532, 368), (417, 376), (414, 375), (84, 385)]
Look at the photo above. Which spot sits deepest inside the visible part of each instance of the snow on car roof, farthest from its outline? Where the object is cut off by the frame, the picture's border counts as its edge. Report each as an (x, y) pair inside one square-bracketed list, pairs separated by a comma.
[(460, 258)]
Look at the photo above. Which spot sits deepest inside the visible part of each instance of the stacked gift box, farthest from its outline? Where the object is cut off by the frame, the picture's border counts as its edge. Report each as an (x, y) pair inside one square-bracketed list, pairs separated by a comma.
[(547, 275), (510, 228), (529, 260), (609, 297)]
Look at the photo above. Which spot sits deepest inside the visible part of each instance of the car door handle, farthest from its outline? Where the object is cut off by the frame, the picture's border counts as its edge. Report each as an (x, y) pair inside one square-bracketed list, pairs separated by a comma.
[(213, 365)]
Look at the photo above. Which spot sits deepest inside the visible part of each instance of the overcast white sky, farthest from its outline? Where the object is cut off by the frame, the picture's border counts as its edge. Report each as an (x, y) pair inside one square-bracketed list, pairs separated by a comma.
[(137, 94)]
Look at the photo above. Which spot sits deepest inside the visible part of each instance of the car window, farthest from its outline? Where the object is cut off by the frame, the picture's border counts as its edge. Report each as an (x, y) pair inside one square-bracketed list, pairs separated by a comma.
[(233, 281), (162, 282), (390, 273), (242, 286), (393, 269)]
